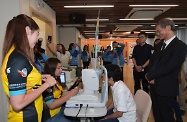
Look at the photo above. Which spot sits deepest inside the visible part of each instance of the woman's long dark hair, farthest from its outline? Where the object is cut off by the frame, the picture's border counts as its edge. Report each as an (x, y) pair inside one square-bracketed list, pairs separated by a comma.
[(16, 35), (50, 66), (70, 46), (63, 49)]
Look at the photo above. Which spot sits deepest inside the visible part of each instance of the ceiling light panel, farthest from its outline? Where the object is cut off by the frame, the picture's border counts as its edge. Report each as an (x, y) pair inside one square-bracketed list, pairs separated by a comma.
[(139, 19), (90, 6), (96, 20), (153, 5)]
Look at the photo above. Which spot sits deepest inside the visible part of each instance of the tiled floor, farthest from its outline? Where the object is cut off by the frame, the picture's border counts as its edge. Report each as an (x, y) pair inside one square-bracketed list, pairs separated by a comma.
[(128, 79)]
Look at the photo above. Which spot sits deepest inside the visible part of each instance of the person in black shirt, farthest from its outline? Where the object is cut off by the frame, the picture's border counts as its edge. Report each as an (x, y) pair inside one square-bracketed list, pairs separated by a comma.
[(140, 57)]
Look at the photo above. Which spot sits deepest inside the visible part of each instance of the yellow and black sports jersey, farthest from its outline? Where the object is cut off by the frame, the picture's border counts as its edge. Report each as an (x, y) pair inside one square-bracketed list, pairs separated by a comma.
[(20, 77), (49, 96)]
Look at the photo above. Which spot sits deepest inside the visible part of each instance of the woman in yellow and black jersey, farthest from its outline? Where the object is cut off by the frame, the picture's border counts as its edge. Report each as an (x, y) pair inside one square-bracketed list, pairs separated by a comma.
[(54, 97), (21, 80)]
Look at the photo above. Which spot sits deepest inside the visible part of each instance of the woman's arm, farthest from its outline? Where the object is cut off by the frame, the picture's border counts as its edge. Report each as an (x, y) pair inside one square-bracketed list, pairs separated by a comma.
[(58, 102), (80, 50), (20, 101), (51, 49)]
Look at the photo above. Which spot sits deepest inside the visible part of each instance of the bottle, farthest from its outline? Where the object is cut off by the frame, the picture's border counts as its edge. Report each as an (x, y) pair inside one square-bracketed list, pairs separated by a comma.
[(99, 62)]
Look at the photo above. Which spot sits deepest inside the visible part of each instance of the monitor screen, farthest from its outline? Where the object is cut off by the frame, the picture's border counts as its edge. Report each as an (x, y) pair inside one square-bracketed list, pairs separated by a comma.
[(63, 78)]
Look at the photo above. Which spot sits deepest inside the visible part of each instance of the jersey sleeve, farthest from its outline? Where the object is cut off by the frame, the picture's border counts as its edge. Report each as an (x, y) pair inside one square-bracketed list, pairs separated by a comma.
[(17, 70), (48, 95)]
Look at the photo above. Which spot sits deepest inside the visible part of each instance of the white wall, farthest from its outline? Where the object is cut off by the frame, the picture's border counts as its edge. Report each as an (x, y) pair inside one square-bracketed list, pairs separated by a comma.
[(9, 9), (150, 41), (50, 15), (68, 35), (182, 34)]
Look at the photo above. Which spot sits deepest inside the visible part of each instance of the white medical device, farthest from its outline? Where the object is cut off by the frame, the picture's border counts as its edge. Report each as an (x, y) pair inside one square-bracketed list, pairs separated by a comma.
[(89, 95)]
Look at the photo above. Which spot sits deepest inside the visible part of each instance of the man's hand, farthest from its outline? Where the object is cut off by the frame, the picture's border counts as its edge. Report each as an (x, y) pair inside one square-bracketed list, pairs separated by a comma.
[(138, 68), (152, 82)]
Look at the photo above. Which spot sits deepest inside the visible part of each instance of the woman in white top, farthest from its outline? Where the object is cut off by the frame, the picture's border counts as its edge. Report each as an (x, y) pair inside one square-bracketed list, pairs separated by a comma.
[(62, 54)]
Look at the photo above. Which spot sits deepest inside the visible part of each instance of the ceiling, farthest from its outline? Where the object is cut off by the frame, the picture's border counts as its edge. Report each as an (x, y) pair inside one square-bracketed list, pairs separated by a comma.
[(115, 28)]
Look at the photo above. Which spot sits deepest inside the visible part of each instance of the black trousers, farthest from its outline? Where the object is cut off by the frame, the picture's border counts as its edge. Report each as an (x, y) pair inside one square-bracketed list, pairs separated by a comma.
[(86, 64), (138, 77), (162, 106), (121, 73)]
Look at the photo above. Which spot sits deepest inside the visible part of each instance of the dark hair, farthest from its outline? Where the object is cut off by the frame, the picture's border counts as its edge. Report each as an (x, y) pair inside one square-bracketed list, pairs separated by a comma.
[(70, 46), (114, 71), (114, 42), (63, 48), (166, 22), (85, 47), (50, 66), (143, 33), (16, 35), (108, 47)]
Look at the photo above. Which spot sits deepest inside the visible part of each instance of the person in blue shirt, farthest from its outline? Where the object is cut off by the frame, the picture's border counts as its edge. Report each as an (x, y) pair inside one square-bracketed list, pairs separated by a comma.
[(85, 57), (107, 56), (74, 50), (39, 58), (117, 55)]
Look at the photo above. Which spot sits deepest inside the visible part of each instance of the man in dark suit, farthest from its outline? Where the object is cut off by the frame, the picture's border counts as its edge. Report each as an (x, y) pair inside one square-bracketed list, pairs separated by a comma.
[(164, 67)]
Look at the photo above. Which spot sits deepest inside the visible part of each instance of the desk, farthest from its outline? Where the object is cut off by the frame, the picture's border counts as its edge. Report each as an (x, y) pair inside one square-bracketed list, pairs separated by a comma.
[(90, 112)]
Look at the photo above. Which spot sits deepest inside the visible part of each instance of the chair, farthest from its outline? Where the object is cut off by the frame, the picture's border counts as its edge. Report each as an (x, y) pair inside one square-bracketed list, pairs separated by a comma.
[(143, 105)]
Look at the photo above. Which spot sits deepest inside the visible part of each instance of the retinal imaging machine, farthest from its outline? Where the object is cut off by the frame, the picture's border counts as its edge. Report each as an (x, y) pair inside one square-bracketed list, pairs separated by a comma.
[(90, 96)]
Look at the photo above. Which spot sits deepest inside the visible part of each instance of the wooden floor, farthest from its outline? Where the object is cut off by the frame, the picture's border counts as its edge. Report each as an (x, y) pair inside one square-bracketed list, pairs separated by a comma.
[(129, 81)]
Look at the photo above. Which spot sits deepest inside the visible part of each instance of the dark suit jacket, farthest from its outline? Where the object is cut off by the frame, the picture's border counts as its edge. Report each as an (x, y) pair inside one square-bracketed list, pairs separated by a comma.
[(164, 67)]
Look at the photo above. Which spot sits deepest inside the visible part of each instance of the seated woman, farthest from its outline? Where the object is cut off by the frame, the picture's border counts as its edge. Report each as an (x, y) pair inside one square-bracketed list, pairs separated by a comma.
[(54, 97)]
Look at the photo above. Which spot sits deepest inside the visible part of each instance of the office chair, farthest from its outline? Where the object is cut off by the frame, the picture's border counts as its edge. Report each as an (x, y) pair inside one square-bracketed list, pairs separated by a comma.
[(143, 105)]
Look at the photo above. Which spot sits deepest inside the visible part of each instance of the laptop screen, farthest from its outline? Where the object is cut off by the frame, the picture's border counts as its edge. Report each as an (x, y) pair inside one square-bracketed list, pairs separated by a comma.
[(63, 78)]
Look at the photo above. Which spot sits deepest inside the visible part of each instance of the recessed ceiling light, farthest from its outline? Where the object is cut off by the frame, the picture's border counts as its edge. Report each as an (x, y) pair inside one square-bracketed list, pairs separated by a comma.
[(92, 31), (93, 25), (90, 6), (153, 5), (178, 18), (128, 25), (182, 27), (96, 20), (139, 19), (155, 25), (148, 30)]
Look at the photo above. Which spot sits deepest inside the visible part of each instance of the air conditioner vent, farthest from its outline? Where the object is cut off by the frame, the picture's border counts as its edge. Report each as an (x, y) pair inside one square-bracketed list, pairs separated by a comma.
[(145, 13)]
